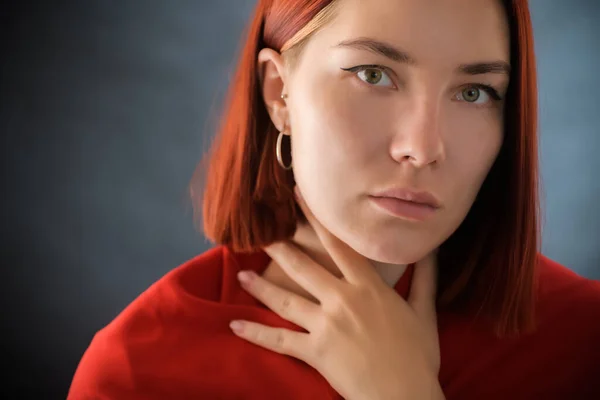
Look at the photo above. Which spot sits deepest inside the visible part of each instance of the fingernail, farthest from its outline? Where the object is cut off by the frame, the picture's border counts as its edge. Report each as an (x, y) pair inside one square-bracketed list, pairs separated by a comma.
[(245, 276), (236, 326)]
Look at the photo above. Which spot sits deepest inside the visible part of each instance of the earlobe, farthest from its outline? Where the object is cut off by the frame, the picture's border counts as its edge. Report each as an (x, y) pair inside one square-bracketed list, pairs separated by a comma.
[(271, 75)]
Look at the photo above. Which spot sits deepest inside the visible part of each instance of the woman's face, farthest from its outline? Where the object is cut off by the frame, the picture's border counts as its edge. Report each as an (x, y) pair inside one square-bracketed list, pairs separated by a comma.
[(422, 115)]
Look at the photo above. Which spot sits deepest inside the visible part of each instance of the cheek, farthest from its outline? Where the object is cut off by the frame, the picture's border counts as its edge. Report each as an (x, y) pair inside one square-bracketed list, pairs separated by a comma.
[(333, 133), (474, 150)]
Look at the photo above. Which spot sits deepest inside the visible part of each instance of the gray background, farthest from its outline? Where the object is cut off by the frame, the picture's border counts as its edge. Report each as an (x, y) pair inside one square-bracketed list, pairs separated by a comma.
[(105, 109)]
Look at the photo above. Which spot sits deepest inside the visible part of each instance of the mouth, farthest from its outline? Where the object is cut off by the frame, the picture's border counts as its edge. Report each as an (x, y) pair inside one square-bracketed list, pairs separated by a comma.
[(404, 209), (407, 204)]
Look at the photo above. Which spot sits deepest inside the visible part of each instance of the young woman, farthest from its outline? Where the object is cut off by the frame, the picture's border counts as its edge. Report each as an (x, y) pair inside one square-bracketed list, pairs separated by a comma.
[(375, 177)]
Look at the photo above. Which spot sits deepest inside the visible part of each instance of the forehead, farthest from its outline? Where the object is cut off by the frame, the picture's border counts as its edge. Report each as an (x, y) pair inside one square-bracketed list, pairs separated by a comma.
[(431, 31)]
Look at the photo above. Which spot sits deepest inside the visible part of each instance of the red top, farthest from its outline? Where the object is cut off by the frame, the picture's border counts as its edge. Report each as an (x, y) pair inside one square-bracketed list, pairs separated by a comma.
[(174, 342)]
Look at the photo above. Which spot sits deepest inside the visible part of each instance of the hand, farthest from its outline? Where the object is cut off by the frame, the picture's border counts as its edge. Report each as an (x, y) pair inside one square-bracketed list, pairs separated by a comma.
[(363, 338)]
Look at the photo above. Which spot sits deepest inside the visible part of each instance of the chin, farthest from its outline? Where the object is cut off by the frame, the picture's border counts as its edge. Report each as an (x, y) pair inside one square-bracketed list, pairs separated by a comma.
[(390, 252)]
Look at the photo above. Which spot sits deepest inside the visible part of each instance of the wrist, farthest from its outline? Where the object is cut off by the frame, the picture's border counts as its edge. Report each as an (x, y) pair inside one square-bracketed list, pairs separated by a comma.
[(423, 387), (426, 389)]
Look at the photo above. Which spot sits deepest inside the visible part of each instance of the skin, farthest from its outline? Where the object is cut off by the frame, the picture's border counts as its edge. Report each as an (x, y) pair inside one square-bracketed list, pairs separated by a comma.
[(421, 124), (390, 354)]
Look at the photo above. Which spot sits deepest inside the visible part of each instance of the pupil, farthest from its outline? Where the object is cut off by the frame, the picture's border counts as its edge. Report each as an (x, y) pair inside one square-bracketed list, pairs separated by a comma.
[(374, 76), (472, 94)]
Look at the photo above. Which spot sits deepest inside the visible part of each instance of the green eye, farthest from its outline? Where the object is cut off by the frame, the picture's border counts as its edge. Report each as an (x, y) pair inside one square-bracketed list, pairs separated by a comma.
[(471, 94), (372, 76)]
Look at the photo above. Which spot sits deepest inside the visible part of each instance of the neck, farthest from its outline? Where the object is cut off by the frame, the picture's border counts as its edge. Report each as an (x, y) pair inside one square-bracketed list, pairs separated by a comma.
[(307, 241)]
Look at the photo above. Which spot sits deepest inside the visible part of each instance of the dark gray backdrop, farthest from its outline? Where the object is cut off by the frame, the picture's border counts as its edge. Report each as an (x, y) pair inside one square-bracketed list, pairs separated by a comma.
[(105, 108)]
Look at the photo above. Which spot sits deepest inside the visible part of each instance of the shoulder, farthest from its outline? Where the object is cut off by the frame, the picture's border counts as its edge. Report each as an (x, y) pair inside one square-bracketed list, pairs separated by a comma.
[(565, 297), (174, 341), (569, 318), (562, 288), (559, 359), (165, 327)]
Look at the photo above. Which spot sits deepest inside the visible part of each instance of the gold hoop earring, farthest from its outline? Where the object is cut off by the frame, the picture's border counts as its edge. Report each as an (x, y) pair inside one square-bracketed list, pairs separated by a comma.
[(278, 152)]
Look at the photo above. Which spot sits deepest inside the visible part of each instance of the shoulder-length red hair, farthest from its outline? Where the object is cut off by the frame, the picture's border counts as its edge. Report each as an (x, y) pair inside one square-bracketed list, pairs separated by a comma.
[(487, 266)]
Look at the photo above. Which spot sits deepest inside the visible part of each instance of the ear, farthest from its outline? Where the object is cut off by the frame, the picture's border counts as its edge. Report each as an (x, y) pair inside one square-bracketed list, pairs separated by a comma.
[(271, 73)]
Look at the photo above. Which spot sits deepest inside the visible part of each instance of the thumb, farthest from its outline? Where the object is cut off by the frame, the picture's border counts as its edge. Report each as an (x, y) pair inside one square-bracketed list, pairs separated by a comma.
[(423, 289)]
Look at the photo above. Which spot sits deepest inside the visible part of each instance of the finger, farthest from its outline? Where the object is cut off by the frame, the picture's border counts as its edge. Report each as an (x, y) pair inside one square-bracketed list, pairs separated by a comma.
[(301, 268), (284, 303), (423, 288), (354, 267), (279, 340)]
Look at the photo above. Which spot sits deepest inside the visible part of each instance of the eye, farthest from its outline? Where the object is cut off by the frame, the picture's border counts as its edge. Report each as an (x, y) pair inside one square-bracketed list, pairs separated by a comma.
[(478, 94), (373, 75)]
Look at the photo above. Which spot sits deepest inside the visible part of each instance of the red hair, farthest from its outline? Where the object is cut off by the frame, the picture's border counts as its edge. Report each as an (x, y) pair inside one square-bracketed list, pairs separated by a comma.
[(487, 266)]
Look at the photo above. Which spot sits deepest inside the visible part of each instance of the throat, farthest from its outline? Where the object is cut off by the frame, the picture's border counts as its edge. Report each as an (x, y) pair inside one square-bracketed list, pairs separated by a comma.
[(390, 273)]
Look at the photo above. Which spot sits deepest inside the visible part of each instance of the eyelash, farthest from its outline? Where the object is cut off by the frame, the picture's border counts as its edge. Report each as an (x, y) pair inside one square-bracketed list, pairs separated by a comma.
[(493, 93)]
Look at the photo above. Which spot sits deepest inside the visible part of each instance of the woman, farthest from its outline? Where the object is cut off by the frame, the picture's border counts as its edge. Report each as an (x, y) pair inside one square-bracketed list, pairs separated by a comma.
[(391, 247)]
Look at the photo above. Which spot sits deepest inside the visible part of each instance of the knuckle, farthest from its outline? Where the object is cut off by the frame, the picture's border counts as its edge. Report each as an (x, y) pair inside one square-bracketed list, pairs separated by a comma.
[(285, 305), (260, 336), (336, 304), (368, 292), (295, 262), (279, 341)]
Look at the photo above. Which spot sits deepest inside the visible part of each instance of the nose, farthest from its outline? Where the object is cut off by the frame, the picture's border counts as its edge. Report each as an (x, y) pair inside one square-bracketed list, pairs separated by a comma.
[(418, 139)]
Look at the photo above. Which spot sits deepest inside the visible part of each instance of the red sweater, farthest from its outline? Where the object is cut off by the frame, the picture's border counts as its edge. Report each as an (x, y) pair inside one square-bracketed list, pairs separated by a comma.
[(174, 342)]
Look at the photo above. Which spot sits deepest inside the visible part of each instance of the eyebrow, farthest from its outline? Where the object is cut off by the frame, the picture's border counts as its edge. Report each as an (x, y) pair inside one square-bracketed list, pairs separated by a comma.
[(401, 56)]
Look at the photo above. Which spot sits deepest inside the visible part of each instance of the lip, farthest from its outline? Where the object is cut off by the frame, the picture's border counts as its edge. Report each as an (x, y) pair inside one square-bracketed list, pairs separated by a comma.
[(413, 196), (404, 209), (407, 204)]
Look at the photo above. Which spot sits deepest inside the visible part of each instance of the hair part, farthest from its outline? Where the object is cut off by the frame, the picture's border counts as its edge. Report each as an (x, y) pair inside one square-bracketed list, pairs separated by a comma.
[(292, 48)]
